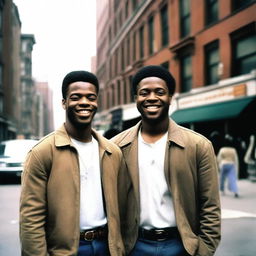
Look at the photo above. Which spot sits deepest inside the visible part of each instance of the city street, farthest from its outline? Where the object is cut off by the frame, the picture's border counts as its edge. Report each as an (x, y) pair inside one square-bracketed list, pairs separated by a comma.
[(238, 221)]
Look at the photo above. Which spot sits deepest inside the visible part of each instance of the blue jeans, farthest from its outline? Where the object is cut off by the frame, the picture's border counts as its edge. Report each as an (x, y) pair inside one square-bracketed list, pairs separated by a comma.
[(171, 247), (228, 171), (93, 248)]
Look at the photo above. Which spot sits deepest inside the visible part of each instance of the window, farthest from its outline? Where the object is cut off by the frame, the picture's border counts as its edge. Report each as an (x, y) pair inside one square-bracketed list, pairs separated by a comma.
[(24, 46), (126, 9), (120, 21), (122, 57), (128, 52), (109, 99), (134, 46), (184, 18), (211, 11), (244, 51), (237, 4), (1, 21), (131, 90), (134, 4), (115, 62), (1, 77), (151, 35), (141, 42), (110, 67), (109, 35), (212, 62), (186, 73), (164, 26), (1, 104), (124, 91), (118, 101)]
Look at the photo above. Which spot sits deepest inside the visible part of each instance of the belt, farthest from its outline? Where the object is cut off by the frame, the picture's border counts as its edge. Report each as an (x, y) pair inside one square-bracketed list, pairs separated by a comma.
[(92, 234), (161, 234)]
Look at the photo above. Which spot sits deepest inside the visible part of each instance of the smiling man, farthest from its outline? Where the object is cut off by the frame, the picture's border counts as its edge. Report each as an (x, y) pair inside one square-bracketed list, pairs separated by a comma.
[(168, 198), (69, 203)]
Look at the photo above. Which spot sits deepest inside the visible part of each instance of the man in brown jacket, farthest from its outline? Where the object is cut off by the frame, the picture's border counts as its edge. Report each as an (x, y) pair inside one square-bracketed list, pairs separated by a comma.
[(169, 198), (69, 203)]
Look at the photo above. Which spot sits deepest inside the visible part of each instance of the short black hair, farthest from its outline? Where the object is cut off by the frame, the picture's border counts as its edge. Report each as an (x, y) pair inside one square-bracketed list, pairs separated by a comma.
[(78, 76), (156, 71)]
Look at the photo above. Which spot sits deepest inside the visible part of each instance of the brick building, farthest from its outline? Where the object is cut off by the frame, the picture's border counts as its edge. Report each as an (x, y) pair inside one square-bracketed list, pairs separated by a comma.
[(10, 29), (208, 45), (45, 109)]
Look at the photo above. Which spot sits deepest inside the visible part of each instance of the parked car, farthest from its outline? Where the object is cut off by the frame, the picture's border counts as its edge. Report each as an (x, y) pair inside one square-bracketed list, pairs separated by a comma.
[(12, 156)]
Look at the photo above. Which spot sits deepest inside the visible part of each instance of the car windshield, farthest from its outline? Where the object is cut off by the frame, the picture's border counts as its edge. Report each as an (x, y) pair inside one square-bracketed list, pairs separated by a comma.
[(16, 148)]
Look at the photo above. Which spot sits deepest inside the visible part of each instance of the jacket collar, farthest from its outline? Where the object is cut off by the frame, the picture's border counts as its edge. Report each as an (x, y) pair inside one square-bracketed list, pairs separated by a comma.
[(174, 134), (62, 139), (131, 135)]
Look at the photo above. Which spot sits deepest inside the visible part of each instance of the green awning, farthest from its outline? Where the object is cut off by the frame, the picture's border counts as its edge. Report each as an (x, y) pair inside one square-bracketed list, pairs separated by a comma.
[(217, 111)]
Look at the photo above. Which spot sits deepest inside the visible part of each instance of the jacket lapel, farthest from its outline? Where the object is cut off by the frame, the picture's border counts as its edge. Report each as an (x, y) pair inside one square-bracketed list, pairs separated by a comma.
[(129, 148)]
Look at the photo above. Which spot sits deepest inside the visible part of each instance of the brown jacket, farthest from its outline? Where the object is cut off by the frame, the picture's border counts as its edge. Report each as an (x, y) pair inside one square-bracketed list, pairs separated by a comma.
[(191, 174), (50, 196)]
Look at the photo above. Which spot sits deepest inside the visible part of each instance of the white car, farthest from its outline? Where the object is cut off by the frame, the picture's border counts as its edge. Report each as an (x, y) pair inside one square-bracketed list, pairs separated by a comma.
[(12, 156)]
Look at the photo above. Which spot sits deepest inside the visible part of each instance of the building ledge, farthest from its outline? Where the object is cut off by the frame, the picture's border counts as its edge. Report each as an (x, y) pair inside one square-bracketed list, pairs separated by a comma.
[(185, 45)]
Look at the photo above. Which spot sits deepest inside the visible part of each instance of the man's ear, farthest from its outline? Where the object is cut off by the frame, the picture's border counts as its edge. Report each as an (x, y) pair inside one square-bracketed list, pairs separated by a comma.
[(135, 97), (64, 104)]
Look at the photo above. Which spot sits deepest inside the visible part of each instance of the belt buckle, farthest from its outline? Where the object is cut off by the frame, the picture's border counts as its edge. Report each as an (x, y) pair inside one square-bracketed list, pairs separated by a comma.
[(161, 232), (90, 233)]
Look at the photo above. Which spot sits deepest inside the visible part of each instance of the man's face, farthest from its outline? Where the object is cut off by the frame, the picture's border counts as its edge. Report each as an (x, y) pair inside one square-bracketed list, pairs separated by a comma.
[(153, 99), (80, 104)]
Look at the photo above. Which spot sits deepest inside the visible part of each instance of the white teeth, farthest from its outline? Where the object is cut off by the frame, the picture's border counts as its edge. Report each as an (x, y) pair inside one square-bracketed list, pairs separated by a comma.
[(84, 111), (152, 107)]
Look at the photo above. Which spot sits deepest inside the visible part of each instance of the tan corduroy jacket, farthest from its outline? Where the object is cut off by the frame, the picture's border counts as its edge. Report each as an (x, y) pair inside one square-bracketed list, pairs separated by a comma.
[(191, 174), (50, 196)]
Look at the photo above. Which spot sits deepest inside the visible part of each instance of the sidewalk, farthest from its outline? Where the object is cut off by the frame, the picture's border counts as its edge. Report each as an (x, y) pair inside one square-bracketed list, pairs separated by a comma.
[(238, 225), (246, 202)]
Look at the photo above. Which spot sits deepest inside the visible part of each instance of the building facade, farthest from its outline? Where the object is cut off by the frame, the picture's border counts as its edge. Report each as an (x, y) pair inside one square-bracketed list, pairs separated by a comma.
[(208, 45), (19, 102), (10, 29), (45, 109), (27, 123)]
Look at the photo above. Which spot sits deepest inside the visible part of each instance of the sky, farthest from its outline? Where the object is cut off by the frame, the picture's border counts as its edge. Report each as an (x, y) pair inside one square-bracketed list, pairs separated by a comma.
[(65, 35)]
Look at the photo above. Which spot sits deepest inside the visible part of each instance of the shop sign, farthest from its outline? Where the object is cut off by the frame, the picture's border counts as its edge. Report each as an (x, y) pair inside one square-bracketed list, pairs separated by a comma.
[(213, 96)]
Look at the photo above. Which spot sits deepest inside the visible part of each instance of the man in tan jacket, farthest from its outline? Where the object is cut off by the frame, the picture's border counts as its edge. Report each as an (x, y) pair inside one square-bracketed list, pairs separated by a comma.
[(169, 198), (69, 203)]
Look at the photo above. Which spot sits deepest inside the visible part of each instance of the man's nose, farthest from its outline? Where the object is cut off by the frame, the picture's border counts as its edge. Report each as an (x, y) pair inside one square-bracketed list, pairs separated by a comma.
[(83, 100), (152, 96)]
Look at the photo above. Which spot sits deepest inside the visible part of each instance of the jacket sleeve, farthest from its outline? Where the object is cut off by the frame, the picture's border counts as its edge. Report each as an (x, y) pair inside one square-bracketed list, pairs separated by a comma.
[(33, 207), (209, 201)]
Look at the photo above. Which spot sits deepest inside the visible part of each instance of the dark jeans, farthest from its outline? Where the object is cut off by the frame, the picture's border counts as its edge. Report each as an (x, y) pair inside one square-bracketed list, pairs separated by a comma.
[(93, 248), (171, 247)]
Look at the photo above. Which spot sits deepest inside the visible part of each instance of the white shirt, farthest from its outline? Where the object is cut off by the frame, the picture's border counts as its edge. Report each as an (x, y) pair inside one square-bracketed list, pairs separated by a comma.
[(91, 200), (155, 198)]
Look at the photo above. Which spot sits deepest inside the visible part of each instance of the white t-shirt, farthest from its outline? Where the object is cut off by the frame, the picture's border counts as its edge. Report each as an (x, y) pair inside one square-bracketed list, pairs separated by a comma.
[(92, 212), (155, 198)]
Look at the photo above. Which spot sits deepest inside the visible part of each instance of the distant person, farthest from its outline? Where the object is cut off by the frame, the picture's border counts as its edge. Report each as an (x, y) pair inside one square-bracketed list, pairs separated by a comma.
[(250, 158), (229, 166), (69, 203), (169, 198)]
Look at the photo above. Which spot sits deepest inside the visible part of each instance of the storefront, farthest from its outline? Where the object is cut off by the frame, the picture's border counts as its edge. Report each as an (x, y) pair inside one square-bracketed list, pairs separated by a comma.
[(226, 108)]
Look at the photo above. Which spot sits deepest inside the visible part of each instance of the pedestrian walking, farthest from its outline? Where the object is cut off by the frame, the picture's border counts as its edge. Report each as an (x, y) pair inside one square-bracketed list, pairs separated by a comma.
[(169, 198), (69, 203), (229, 166)]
